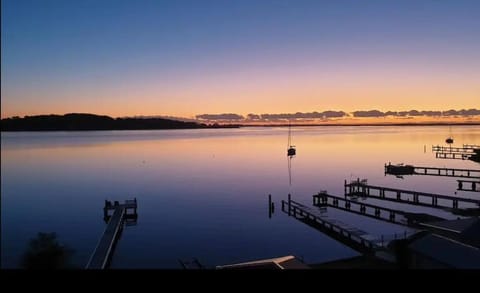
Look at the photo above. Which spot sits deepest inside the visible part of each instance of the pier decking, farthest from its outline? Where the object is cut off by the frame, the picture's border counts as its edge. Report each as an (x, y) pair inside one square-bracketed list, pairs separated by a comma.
[(373, 211), (431, 171), (474, 185), (351, 237), (467, 152), (361, 188), (453, 156), (101, 256), (466, 149)]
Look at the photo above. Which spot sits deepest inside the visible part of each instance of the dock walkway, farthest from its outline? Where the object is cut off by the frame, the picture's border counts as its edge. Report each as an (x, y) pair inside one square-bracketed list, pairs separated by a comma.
[(102, 254)]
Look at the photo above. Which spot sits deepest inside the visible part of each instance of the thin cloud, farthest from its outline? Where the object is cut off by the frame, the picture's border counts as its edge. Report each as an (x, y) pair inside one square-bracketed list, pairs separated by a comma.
[(226, 116)]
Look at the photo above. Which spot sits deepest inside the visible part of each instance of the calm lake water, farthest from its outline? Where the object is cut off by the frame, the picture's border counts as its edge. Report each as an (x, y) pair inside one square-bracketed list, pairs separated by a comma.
[(204, 193)]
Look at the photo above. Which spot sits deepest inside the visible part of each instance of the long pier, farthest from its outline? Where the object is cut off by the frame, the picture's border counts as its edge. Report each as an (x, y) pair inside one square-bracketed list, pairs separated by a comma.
[(431, 171), (378, 212), (453, 156), (467, 152), (471, 146), (349, 236), (465, 149), (474, 185), (100, 259), (361, 188)]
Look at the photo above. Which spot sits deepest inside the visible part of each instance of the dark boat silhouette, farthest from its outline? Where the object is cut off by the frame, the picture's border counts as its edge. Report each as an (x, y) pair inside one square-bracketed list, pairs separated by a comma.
[(399, 169), (449, 139)]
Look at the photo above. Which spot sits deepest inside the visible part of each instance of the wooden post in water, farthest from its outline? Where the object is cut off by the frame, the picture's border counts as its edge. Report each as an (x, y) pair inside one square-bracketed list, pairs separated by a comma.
[(289, 203), (105, 211), (269, 206)]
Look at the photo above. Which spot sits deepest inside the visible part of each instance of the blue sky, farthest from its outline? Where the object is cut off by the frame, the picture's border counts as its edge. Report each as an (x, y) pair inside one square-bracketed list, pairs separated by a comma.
[(190, 57)]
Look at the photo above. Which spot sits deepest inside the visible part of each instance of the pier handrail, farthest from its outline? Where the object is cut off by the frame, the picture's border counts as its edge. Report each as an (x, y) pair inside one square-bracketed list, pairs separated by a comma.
[(303, 211)]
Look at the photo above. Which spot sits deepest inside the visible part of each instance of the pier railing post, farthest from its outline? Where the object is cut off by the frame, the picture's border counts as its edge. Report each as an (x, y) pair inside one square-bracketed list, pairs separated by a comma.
[(269, 206), (289, 204)]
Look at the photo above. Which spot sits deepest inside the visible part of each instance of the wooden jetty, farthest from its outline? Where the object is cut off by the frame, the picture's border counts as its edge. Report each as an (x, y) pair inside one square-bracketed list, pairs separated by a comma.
[(431, 171), (100, 259), (471, 185), (466, 149), (361, 188), (349, 236), (467, 152), (453, 156), (399, 217)]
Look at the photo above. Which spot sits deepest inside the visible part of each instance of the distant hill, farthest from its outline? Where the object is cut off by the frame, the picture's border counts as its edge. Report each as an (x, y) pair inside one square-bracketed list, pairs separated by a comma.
[(80, 121)]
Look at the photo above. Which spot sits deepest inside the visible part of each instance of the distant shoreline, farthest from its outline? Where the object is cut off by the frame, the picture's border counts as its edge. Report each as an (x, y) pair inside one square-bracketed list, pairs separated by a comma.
[(92, 122), (227, 126)]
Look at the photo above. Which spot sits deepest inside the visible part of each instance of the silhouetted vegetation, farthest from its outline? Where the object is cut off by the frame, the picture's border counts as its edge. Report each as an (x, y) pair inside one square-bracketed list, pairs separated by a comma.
[(45, 252), (77, 121)]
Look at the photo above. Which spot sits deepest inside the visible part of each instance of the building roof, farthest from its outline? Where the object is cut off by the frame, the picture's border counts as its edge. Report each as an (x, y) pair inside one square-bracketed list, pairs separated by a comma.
[(472, 232), (447, 251), (279, 263), (456, 226)]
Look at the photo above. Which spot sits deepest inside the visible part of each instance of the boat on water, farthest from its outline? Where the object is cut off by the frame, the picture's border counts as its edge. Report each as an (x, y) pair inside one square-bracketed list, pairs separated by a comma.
[(291, 151), (399, 169), (449, 139)]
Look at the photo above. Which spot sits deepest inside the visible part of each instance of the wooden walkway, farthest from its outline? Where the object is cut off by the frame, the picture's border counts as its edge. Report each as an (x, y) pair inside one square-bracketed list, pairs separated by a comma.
[(361, 188), (349, 236), (466, 149), (380, 213), (453, 156), (434, 171), (465, 184), (467, 152), (101, 257)]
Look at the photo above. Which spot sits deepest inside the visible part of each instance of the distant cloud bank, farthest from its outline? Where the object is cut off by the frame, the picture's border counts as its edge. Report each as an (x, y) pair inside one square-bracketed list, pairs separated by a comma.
[(227, 116), (252, 117), (282, 116), (376, 113)]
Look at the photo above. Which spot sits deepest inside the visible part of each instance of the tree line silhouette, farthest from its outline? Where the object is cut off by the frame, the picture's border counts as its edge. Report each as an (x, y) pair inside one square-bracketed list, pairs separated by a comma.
[(79, 121)]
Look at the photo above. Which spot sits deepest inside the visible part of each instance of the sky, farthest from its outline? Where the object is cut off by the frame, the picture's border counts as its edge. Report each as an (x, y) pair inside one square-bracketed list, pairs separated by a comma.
[(183, 58)]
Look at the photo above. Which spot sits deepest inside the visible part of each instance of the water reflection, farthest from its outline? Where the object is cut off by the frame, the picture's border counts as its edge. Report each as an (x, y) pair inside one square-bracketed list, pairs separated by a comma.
[(203, 191)]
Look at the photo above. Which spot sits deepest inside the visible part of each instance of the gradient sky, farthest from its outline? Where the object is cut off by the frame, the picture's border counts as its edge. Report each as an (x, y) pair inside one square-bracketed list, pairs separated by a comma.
[(183, 58)]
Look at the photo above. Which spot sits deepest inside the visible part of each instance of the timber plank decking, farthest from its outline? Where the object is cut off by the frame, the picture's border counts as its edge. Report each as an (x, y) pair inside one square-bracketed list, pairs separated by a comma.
[(361, 188), (432, 171), (102, 254)]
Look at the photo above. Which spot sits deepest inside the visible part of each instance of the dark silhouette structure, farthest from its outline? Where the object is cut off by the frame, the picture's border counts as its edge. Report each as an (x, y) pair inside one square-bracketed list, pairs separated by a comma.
[(79, 121)]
